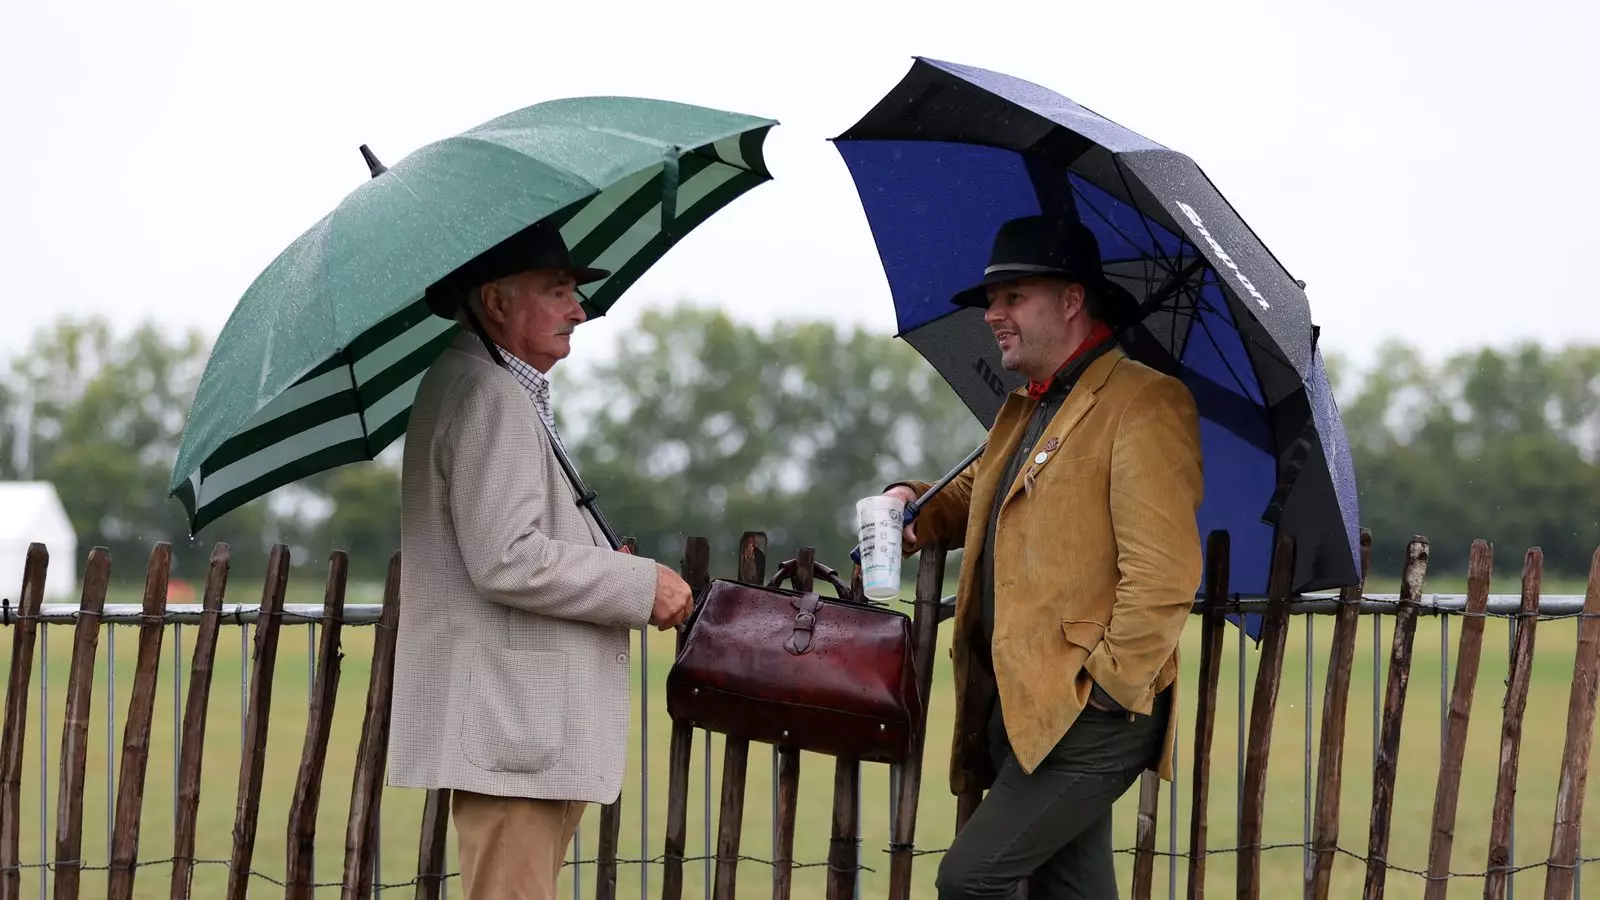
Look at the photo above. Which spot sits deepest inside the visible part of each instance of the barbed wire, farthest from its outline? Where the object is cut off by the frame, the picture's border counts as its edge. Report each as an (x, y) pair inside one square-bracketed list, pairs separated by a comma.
[(891, 848)]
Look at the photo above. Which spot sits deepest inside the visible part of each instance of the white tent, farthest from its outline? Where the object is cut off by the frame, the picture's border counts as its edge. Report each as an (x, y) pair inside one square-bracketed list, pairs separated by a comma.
[(31, 511)]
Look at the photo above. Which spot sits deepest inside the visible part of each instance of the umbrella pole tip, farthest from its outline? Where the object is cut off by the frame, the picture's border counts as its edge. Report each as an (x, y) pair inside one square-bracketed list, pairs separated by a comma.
[(373, 166)]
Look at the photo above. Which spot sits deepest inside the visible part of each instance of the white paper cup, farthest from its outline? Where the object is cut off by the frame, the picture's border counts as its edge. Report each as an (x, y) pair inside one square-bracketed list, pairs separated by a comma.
[(878, 519)]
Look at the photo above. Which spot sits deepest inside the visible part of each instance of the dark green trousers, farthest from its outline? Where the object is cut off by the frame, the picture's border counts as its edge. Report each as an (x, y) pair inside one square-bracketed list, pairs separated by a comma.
[(1051, 830)]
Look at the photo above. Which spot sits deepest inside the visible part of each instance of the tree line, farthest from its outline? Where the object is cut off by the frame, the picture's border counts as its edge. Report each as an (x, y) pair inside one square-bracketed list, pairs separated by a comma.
[(697, 424)]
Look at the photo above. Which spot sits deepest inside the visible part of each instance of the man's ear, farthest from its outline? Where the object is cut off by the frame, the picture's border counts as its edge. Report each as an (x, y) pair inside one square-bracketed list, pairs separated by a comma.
[(1072, 298), (493, 298)]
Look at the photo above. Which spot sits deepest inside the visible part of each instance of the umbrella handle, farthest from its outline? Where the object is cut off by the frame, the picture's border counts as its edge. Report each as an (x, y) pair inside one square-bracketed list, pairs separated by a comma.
[(914, 508)]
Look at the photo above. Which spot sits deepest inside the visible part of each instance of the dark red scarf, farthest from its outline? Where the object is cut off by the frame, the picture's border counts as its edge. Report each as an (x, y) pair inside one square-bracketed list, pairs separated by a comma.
[(1098, 335)]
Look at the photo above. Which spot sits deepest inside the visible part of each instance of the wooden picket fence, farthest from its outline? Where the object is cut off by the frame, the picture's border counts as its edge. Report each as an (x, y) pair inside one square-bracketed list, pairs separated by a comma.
[(67, 867)]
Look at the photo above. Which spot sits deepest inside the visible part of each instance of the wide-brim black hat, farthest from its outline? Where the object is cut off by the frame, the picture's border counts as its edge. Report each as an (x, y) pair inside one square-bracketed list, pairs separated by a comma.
[(1047, 246), (539, 246)]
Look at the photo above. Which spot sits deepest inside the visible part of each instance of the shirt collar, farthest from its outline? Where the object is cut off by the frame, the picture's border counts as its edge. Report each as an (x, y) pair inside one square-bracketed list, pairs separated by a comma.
[(532, 380)]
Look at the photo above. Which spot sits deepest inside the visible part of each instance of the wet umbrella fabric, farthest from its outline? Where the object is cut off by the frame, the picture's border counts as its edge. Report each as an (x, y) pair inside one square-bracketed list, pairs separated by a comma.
[(320, 361), (953, 151)]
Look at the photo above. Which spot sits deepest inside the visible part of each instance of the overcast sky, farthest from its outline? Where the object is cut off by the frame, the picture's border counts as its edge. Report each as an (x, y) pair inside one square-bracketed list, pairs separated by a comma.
[(1426, 167)]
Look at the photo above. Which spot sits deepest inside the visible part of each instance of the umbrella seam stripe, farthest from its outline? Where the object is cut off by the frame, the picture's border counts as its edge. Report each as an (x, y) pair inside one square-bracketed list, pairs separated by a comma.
[(629, 211), (390, 327), (380, 411), (600, 207), (378, 388), (301, 394), (388, 420), (608, 293), (402, 347), (642, 204), (628, 269), (304, 416), (275, 456), (703, 184), (328, 457)]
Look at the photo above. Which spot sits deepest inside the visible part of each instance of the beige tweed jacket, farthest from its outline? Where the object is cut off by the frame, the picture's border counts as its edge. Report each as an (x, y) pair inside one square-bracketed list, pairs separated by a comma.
[(511, 664)]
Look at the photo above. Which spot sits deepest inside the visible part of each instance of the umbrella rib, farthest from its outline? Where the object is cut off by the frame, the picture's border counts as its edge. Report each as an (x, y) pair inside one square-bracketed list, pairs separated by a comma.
[(717, 160), (1224, 357), (1122, 175), (1175, 314), (1156, 258), (361, 409), (1273, 351), (1200, 303)]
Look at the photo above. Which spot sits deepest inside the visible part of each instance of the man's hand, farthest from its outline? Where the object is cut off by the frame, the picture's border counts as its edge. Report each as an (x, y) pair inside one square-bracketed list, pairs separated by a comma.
[(906, 495), (674, 601)]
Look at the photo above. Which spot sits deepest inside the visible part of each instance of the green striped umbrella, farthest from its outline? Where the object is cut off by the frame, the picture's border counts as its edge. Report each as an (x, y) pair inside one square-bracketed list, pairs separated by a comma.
[(319, 362)]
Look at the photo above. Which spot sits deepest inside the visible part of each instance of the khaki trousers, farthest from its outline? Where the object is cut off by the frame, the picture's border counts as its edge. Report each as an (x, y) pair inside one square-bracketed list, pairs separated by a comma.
[(511, 848)]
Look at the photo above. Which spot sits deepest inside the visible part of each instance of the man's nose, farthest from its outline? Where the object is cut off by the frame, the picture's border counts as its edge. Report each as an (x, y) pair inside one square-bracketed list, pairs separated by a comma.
[(992, 316)]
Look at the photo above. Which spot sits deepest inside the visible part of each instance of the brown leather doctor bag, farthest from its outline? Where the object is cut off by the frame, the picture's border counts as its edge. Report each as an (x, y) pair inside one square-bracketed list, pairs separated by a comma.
[(794, 669)]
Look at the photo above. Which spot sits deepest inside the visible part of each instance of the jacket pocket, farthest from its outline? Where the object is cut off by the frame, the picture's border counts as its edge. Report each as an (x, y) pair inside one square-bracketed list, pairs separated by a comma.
[(516, 708), (1083, 633)]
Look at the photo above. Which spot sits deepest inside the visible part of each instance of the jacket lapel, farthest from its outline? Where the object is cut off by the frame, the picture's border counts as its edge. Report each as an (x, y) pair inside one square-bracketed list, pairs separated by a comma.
[(1079, 402)]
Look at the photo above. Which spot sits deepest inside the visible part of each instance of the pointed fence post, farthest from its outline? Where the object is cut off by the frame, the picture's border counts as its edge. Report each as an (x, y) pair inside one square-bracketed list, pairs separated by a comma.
[(302, 837), (192, 752), (1394, 706), (136, 733), (366, 789), (75, 725), (1516, 704), (1335, 706), (1580, 738), (258, 715), (26, 619), (1468, 655), (1205, 724), (1274, 635)]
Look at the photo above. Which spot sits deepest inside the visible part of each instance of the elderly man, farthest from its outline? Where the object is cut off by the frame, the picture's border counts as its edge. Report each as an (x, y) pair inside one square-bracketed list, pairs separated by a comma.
[(1083, 559), (511, 676)]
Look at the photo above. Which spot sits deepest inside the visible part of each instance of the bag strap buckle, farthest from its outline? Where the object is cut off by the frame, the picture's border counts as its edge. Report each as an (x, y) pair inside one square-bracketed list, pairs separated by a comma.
[(805, 622)]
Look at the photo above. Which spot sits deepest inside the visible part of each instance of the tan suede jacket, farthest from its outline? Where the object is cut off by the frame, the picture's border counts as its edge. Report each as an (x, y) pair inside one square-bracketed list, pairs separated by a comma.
[(1097, 560)]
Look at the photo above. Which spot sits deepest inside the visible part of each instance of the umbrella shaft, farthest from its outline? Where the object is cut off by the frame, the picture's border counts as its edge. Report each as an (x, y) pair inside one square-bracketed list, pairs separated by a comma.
[(586, 497), (915, 506)]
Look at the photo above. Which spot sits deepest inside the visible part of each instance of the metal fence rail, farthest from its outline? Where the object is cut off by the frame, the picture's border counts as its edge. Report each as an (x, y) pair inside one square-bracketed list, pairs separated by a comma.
[(595, 858)]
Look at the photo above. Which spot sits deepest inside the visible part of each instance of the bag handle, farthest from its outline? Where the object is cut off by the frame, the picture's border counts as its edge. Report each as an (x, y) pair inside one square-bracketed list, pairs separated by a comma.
[(788, 569), (809, 603)]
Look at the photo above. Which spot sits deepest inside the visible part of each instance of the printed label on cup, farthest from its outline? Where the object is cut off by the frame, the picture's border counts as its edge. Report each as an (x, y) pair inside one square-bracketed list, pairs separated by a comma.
[(880, 521)]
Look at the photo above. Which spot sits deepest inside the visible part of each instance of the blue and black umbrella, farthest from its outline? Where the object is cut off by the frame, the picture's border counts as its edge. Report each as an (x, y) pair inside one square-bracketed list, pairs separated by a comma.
[(952, 152)]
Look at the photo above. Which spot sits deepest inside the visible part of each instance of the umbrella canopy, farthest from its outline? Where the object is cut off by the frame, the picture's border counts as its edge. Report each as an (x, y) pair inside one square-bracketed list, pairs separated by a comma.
[(952, 152), (319, 363)]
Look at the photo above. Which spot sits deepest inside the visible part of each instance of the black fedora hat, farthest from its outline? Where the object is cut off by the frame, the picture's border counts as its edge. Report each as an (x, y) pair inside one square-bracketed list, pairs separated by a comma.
[(1052, 246), (539, 246)]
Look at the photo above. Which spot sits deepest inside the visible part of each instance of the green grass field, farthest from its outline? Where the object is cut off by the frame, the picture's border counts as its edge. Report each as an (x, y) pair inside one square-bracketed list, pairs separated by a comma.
[(1541, 751)]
